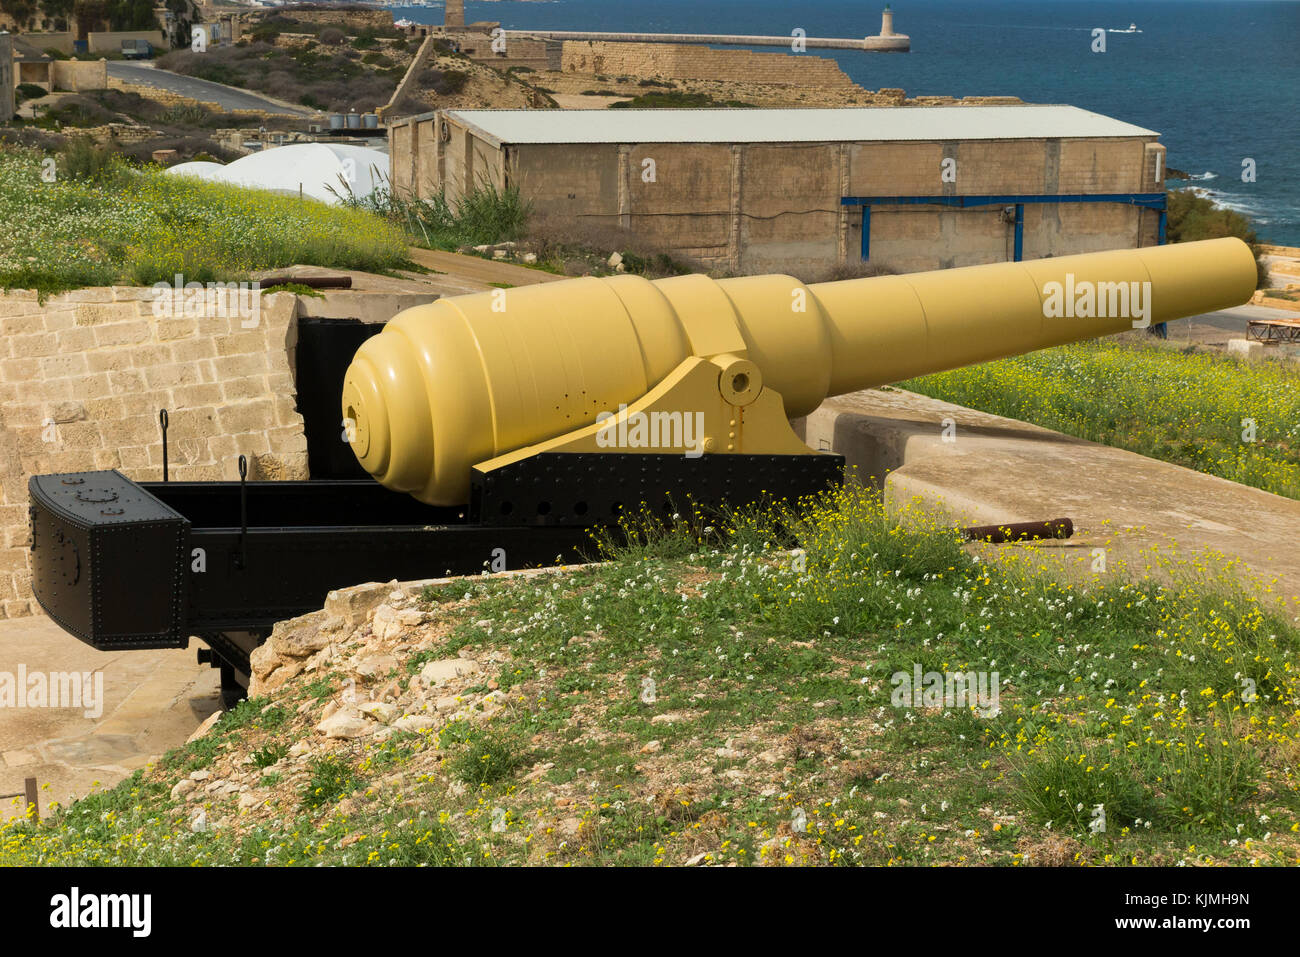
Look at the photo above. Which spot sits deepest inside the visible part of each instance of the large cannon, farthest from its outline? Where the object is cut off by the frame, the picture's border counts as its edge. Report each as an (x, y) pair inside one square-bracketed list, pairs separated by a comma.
[(500, 426), (453, 392)]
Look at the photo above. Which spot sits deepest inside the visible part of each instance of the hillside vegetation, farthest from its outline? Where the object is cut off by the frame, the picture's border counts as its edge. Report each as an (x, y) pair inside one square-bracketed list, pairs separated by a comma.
[(709, 696), (323, 76)]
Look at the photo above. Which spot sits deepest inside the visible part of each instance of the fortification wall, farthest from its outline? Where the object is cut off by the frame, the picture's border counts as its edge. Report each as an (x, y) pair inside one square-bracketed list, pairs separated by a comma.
[(84, 374), (409, 81), (665, 60)]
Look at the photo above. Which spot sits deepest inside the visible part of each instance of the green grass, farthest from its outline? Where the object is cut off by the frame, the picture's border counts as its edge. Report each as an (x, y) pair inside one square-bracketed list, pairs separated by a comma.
[(118, 225), (331, 779), (1168, 699), (486, 757), (485, 216), (1237, 420)]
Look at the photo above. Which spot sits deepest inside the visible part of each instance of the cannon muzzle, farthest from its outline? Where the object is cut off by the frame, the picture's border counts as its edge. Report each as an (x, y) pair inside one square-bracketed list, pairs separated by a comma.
[(468, 381)]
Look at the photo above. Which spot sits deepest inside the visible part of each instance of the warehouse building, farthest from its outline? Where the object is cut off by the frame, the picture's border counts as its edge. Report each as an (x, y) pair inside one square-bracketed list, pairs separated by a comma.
[(757, 190)]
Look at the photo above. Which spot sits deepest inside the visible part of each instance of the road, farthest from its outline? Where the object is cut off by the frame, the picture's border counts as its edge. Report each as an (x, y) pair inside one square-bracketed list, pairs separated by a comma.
[(482, 270), (227, 97), (1218, 327)]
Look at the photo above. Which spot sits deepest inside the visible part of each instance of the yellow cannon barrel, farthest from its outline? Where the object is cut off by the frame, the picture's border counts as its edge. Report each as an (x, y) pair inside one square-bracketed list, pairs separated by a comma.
[(468, 378)]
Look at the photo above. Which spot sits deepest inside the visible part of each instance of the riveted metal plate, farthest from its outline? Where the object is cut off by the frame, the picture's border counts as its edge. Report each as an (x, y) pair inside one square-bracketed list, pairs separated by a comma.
[(107, 559), (593, 488)]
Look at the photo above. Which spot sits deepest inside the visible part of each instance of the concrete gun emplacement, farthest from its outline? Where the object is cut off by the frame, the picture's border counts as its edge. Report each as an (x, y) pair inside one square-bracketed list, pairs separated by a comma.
[(500, 427)]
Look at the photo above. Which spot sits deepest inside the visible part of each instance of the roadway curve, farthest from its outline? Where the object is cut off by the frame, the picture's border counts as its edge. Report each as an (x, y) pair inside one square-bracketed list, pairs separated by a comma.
[(227, 97)]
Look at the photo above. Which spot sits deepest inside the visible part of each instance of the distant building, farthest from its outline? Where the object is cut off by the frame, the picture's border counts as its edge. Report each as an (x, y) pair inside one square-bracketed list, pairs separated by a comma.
[(758, 190), (8, 102), (31, 66)]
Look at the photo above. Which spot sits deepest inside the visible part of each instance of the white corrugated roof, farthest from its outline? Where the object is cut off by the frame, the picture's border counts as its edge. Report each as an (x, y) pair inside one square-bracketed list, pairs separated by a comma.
[(794, 126)]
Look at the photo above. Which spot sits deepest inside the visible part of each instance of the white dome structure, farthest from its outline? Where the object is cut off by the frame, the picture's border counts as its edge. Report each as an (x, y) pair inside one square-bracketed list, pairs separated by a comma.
[(318, 170)]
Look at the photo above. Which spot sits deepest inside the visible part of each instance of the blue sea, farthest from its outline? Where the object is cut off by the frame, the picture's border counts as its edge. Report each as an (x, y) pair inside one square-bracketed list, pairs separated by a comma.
[(1220, 81)]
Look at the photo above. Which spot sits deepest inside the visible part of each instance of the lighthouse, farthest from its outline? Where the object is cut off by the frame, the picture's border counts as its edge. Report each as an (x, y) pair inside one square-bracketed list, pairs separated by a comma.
[(887, 40)]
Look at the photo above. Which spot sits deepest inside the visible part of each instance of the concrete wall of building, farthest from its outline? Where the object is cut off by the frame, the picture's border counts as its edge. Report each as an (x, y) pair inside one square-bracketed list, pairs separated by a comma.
[(404, 156), (83, 375), (577, 186), (8, 85), (426, 175), (788, 206), (776, 207), (111, 41), (691, 183), (682, 61), (912, 238), (78, 75)]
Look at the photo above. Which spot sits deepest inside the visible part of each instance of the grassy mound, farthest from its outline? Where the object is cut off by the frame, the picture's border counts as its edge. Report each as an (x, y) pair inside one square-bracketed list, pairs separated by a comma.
[(99, 223), (1212, 413), (712, 696)]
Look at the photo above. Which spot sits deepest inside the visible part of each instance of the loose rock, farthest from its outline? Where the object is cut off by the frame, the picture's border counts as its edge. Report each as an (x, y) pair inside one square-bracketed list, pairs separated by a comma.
[(344, 723)]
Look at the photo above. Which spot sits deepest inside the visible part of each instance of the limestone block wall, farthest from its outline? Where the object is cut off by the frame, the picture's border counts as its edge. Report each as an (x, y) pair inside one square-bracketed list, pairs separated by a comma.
[(124, 134), (688, 62), (409, 81), (84, 374)]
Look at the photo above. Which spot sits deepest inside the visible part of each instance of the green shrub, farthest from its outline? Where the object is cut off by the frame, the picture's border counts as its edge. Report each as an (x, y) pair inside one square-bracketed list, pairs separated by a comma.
[(271, 754), (29, 91), (487, 215), (83, 159), (487, 757), (331, 780)]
